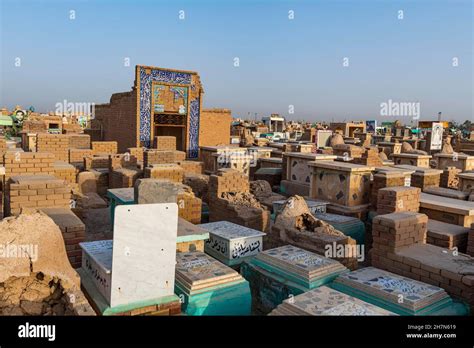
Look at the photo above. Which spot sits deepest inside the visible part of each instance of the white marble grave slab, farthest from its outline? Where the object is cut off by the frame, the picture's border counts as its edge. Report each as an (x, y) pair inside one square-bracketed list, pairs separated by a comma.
[(232, 241), (97, 263), (144, 252)]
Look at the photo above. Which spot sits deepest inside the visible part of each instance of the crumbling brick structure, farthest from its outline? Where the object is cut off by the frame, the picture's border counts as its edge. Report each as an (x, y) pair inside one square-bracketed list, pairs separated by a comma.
[(296, 225), (44, 284), (230, 200)]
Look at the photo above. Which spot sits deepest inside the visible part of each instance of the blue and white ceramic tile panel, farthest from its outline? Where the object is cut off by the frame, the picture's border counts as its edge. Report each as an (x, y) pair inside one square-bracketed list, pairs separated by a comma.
[(158, 75)]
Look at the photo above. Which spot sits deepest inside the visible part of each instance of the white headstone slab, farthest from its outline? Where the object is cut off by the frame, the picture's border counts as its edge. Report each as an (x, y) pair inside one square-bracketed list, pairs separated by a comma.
[(144, 252)]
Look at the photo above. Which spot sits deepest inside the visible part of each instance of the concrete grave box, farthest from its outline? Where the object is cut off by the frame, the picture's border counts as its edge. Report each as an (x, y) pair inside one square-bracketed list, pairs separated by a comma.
[(231, 243), (97, 264), (342, 183), (412, 159), (297, 165), (209, 155), (460, 161)]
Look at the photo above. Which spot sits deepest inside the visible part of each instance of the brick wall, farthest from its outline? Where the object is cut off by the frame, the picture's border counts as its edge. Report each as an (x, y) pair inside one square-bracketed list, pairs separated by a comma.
[(117, 120), (214, 127), (73, 231), (28, 163), (194, 167), (76, 156), (91, 162), (65, 172), (35, 191), (227, 180), (79, 141), (382, 180), (104, 147), (171, 172), (391, 232), (165, 143), (57, 144), (152, 156)]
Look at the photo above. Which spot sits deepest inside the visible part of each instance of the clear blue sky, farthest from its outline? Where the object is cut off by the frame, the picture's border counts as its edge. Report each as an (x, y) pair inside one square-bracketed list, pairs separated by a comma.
[(282, 62)]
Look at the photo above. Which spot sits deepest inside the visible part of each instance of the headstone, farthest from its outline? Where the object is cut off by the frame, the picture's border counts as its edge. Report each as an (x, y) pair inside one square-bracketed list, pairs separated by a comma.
[(138, 266)]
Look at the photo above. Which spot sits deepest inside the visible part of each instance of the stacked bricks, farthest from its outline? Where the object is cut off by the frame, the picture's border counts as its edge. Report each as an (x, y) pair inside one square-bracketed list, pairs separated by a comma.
[(104, 147), (93, 162), (447, 235), (76, 156), (391, 232), (152, 156), (35, 191), (449, 178), (172, 172), (398, 199), (73, 231), (386, 179), (57, 144), (470, 242), (165, 143), (425, 179), (194, 167), (137, 152), (390, 238), (28, 163), (79, 141), (66, 172), (124, 177)]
